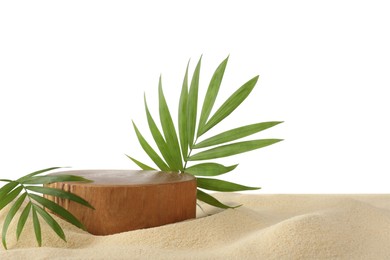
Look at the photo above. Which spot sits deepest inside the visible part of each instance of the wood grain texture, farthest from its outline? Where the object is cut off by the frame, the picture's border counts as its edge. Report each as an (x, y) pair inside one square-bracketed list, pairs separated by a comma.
[(126, 200)]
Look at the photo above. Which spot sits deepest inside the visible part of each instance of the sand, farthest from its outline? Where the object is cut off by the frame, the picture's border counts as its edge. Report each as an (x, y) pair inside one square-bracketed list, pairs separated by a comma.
[(266, 227)]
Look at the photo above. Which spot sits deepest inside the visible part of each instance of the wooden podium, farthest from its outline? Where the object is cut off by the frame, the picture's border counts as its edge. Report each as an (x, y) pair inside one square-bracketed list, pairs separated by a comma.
[(126, 200)]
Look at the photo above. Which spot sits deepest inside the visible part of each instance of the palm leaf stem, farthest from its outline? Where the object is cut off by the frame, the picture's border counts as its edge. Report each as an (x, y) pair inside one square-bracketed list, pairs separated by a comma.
[(28, 194), (189, 154)]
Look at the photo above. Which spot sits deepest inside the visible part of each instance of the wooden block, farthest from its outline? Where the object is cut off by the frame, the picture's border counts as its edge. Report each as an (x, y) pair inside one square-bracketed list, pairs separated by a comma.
[(126, 200)]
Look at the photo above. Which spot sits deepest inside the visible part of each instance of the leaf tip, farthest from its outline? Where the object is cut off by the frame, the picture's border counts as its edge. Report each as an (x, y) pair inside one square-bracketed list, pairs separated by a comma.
[(128, 156), (234, 207), (5, 244)]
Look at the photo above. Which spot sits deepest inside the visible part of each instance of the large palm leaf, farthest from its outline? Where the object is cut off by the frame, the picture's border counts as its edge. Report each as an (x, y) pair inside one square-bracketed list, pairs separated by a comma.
[(176, 156)]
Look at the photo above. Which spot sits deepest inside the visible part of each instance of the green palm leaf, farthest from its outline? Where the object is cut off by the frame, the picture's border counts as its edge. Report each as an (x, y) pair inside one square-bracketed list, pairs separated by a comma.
[(10, 197), (207, 198), (193, 104), (159, 139), (54, 178), (189, 130), (57, 210), (230, 104), (37, 227), (209, 169), (141, 165), (60, 193), (12, 189), (169, 128), (10, 216), (220, 185), (182, 116), (6, 189), (211, 94), (149, 150), (235, 134), (50, 221), (232, 149), (22, 220)]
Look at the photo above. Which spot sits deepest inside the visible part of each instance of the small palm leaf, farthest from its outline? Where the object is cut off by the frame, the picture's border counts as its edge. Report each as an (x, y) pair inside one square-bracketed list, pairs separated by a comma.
[(192, 105), (169, 128), (10, 216), (12, 189), (182, 116), (230, 104), (149, 150), (207, 198), (58, 210), (50, 221), (61, 194), (232, 149), (22, 220), (141, 165), (211, 94), (209, 169), (235, 134), (37, 227)]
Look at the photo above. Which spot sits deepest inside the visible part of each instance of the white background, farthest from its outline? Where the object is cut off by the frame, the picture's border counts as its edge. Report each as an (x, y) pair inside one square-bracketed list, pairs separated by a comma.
[(73, 74)]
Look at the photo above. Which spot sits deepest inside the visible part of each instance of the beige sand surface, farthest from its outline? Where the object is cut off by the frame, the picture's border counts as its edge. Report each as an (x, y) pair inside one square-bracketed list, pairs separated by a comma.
[(266, 227)]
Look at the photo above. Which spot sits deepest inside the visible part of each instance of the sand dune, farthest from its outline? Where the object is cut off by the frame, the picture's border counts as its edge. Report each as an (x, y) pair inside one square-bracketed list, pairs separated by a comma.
[(266, 227)]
